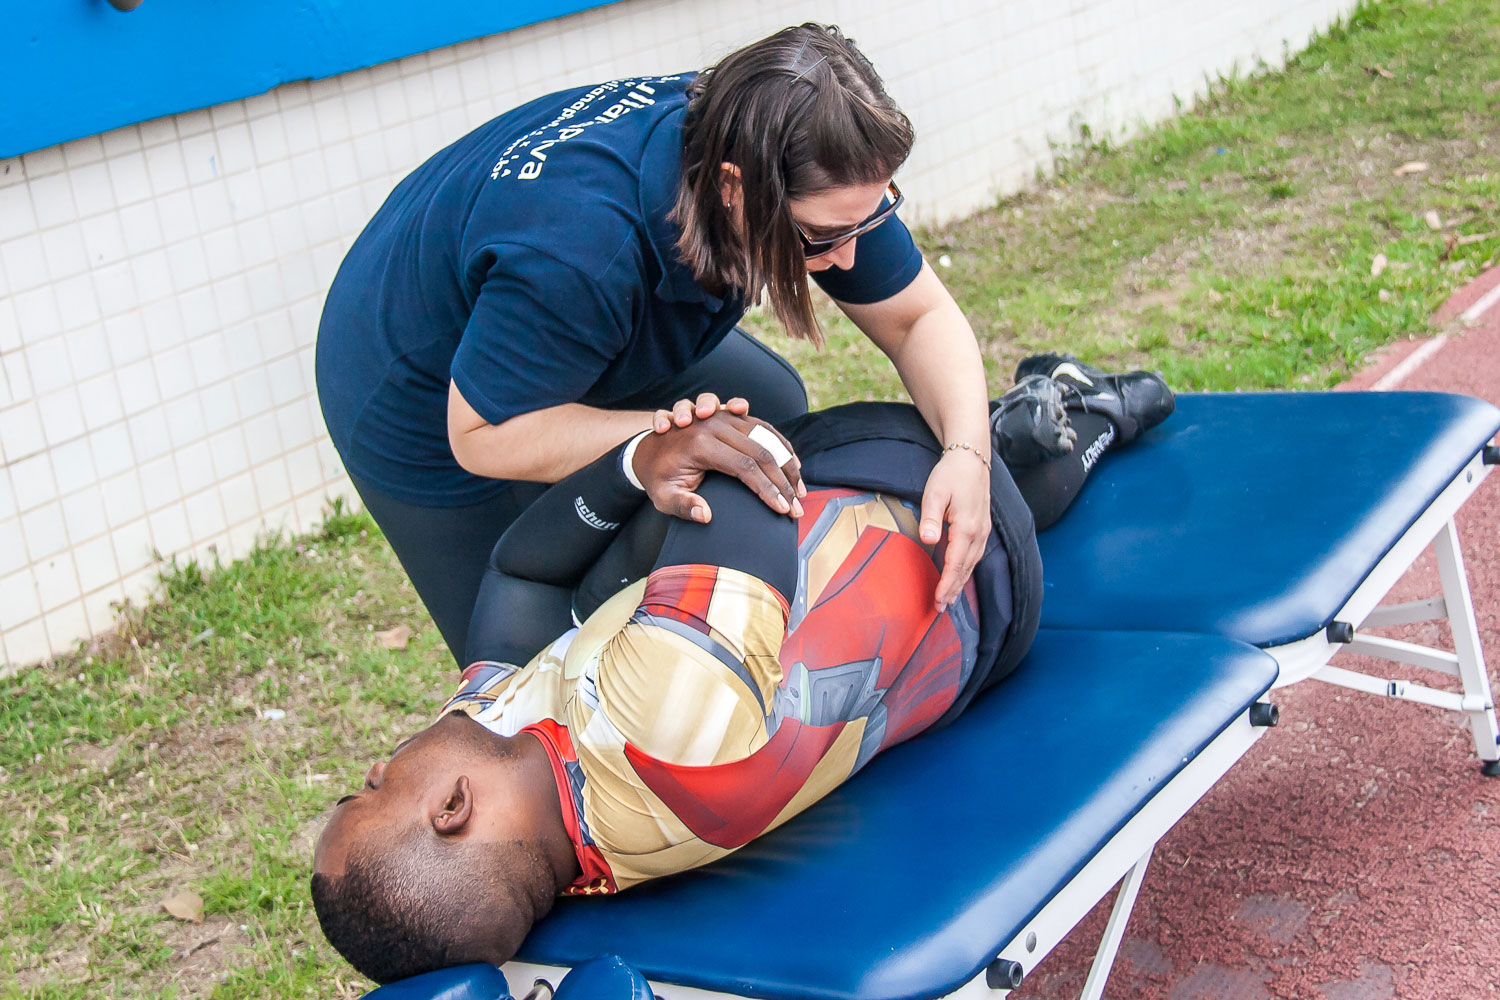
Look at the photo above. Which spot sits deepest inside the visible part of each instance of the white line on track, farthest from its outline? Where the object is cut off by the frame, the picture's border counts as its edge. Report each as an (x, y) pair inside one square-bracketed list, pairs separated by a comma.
[(1479, 308), (1416, 359)]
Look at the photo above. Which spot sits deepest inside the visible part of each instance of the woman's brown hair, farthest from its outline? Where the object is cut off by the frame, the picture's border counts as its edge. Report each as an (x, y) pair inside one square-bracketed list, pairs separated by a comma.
[(799, 112)]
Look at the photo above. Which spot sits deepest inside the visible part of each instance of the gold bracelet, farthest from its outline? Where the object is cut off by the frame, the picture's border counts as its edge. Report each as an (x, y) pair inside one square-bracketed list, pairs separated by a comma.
[(970, 449)]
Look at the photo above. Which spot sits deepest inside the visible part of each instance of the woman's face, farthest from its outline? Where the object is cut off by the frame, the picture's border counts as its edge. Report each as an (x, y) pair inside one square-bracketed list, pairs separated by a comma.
[(828, 213)]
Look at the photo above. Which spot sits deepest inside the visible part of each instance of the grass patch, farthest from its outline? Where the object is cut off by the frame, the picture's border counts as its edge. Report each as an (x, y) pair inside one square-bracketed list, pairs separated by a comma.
[(149, 762), (1231, 247)]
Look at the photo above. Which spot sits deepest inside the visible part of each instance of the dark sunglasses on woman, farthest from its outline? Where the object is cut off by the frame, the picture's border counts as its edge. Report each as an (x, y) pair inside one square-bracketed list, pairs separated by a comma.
[(812, 248)]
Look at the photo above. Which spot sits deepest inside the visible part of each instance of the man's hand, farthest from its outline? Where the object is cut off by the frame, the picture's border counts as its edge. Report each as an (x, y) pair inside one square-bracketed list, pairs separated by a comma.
[(958, 494), (671, 464)]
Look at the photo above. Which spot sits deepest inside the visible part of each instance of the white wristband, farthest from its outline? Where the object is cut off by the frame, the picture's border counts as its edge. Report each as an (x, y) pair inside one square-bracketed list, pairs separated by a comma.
[(762, 436), (627, 461)]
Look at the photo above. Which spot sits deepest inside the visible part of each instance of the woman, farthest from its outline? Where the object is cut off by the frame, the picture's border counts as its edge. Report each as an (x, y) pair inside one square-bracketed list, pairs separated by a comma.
[(528, 298)]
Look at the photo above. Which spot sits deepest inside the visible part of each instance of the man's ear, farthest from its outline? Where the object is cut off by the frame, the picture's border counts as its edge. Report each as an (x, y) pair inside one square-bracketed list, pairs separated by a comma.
[(729, 184), (457, 808)]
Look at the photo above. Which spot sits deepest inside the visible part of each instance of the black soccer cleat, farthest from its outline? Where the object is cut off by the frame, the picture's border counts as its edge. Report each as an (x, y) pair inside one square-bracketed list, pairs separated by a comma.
[(1029, 424), (1134, 402)]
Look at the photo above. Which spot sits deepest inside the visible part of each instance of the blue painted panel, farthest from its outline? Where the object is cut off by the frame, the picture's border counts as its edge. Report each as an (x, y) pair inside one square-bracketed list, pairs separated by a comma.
[(70, 68)]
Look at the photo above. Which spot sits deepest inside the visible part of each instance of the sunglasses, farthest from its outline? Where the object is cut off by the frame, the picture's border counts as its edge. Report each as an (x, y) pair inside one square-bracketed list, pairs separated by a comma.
[(812, 248)]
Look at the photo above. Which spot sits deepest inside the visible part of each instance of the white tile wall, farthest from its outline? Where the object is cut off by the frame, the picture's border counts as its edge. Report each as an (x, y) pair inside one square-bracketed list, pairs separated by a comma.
[(160, 285)]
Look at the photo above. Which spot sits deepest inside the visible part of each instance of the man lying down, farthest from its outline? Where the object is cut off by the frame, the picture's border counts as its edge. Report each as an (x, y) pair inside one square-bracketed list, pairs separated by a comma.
[(754, 663)]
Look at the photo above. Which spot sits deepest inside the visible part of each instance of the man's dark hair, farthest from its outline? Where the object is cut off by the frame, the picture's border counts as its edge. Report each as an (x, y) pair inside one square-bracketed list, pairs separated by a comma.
[(800, 112), (418, 903)]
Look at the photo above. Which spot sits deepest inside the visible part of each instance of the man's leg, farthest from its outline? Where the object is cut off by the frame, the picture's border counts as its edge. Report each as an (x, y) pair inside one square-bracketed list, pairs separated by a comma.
[(1134, 402), (1050, 487), (1101, 410), (744, 535)]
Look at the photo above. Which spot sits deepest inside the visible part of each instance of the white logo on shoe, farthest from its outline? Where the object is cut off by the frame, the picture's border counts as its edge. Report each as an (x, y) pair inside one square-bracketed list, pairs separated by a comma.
[(1072, 371), (1096, 449)]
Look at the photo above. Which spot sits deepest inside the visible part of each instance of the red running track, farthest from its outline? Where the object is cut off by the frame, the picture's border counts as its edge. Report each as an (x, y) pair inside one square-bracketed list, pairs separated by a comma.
[(1354, 853)]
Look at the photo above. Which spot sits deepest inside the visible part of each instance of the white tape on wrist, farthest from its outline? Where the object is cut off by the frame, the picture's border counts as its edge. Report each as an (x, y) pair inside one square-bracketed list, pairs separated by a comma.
[(762, 435), (627, 461)]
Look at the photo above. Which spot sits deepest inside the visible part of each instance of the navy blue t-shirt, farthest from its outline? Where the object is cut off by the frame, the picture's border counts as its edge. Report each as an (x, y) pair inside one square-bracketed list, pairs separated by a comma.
[(533, 264)]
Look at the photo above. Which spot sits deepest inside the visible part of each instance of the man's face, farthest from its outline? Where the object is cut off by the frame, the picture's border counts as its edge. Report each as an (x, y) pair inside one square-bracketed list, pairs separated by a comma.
[(408, 788)]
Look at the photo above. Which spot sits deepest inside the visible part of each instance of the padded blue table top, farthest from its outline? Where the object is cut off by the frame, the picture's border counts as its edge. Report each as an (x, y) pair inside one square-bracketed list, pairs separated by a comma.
[(908, 880), (1254, 515)]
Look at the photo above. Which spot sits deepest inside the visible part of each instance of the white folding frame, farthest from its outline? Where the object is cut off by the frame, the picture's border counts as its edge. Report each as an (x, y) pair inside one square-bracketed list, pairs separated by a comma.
[(1121, 861), (1309, 658)]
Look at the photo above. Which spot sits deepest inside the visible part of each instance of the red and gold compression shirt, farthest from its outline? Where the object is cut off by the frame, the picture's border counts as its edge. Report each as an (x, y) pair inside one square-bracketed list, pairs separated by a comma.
[(699, 708)]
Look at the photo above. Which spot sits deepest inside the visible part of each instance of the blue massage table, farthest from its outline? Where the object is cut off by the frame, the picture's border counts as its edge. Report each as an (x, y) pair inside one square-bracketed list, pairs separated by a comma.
[(1237, 548)]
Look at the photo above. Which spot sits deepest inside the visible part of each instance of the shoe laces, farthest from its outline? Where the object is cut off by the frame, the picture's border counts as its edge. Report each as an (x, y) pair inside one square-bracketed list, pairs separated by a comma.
[(1070, 390)]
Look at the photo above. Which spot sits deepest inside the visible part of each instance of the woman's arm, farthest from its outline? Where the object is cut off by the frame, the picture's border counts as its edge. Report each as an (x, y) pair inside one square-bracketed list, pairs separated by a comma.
[(924, 333), (542, 446), (549, 444)]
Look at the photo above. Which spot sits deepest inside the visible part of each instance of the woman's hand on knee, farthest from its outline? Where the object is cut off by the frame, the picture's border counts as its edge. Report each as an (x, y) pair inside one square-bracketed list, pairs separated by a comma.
[(672, 464), (685, 411)]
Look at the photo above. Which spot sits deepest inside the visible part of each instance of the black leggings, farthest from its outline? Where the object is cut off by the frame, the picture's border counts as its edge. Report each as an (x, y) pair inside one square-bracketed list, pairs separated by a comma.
[(445, 550), (1050, 487)]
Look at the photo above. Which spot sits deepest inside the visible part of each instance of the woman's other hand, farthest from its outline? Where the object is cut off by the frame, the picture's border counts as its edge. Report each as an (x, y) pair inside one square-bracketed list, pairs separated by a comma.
[(671, 464), (958, 495), (685, 411)]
